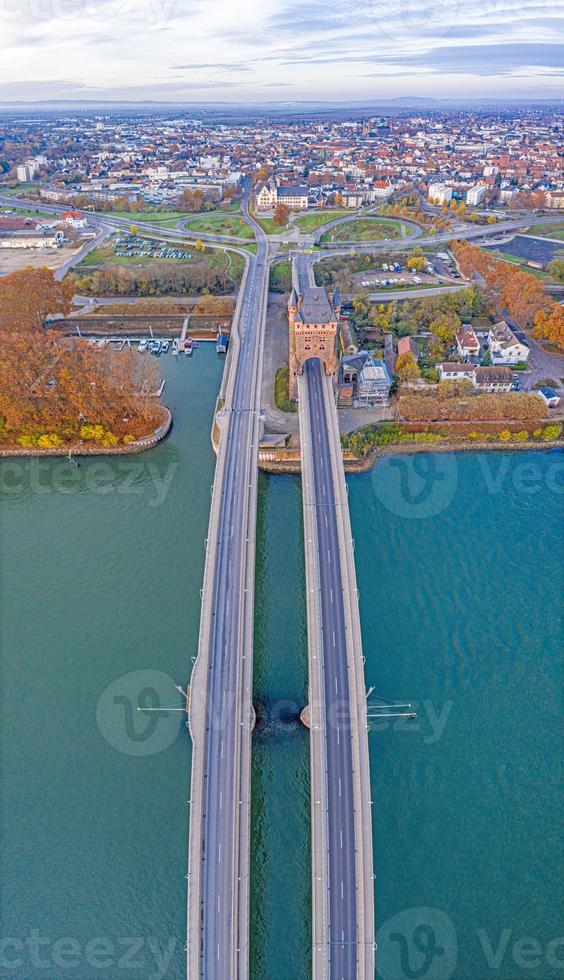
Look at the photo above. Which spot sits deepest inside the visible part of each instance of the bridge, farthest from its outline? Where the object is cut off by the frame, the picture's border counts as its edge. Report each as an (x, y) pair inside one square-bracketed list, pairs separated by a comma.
[(342, 867), (221, 714)]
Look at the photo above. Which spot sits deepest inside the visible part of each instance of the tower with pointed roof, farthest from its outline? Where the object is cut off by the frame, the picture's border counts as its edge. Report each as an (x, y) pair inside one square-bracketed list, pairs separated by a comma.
[(313, 318)]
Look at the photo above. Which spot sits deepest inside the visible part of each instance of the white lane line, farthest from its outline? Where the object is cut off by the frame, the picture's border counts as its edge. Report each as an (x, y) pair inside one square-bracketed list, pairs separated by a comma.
[(331, 594), (333, 631), (220, 801), (219, 845), (341, 836), (339, 791)]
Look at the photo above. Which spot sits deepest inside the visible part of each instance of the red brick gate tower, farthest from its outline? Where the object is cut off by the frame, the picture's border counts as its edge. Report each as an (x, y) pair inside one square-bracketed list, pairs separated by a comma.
[(313, 318)]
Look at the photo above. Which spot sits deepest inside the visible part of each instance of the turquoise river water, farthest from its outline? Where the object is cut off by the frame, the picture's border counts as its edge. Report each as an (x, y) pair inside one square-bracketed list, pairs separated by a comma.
[(460, 578)]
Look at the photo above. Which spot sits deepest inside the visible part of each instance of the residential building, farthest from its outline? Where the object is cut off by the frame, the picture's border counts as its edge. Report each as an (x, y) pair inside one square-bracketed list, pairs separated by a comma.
[(381, 189), (407, 345), (555, 200), (453, 371), (25, 173), (74, 219), (373, 384), (467, 342), (504, 346), (439, 193), (495, 378), (363, 380), (475, 195)]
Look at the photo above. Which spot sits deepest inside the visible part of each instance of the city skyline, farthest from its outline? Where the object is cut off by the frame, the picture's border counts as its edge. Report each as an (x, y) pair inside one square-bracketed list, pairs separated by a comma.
[(288, 51)]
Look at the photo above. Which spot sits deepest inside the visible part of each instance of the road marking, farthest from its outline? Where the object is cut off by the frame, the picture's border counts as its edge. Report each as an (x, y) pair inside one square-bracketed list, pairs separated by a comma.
[(339, 787)]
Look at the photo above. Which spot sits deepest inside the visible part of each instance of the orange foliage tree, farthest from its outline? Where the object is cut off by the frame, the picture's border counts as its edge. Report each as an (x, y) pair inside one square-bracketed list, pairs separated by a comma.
[(521, 293), (549, 324), (27, 297)]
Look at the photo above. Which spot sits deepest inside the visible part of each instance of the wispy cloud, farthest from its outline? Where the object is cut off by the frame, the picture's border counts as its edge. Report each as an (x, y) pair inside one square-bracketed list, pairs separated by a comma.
[(365, 49)]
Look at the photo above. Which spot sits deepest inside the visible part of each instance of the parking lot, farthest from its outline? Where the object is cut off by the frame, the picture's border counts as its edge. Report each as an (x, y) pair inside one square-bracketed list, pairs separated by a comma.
[(129, 246)]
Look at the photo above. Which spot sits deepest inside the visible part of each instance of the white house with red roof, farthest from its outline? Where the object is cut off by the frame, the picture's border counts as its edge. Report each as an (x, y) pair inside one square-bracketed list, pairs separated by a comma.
[(74, 219), (467, 342)]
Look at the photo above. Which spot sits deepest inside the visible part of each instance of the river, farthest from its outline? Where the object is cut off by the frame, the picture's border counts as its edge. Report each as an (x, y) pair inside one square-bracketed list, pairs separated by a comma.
[(460, 579)]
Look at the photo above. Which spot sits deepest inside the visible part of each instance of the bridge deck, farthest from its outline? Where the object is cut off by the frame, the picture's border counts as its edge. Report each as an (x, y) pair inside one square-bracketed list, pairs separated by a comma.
[(343, 906)]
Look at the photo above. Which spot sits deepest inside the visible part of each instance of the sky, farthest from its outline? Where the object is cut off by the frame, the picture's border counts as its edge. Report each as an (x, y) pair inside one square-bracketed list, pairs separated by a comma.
[(280, 50)]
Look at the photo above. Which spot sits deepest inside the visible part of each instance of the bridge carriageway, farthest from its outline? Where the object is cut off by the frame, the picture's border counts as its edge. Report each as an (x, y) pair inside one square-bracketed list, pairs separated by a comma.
[(221, 683), (342, 864)]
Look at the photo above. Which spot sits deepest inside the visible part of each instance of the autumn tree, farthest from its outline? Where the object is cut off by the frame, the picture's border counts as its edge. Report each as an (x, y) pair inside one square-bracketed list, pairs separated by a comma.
[(416, 263), (27, 297), (445, 326), (549, 325), (556, 269), (406, 368), (281, 215)]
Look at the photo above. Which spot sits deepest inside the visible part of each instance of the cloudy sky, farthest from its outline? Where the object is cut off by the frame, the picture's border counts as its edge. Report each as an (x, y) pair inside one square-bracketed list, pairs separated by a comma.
[(279, 50)]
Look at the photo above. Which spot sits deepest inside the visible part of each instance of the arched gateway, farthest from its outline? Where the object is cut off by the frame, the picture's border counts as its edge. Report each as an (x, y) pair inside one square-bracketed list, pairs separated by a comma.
[(313, 318)]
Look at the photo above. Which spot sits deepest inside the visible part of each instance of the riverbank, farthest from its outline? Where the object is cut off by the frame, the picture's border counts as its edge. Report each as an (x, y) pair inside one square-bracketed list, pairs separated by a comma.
[(96, 449), (289, 461)]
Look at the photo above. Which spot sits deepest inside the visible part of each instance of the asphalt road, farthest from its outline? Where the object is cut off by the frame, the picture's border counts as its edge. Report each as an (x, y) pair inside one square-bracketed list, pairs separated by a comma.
[(342, 883), (223, 849)]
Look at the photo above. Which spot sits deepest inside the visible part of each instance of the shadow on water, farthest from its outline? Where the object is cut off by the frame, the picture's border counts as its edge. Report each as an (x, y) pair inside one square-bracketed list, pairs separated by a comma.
[(277, 719)]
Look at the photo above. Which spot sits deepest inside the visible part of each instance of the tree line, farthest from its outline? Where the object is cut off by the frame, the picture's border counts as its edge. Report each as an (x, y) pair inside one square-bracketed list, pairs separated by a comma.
[(157, 279), (514, 290)]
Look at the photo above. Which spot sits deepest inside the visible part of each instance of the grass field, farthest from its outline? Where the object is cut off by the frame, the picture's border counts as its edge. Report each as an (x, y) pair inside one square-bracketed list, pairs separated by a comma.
[(20, 189), (366, 230), (548, 230), (26, 213), (282, 389), (219, 224), (310, 222), (269, 227), (161, 219), (517, 260)]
